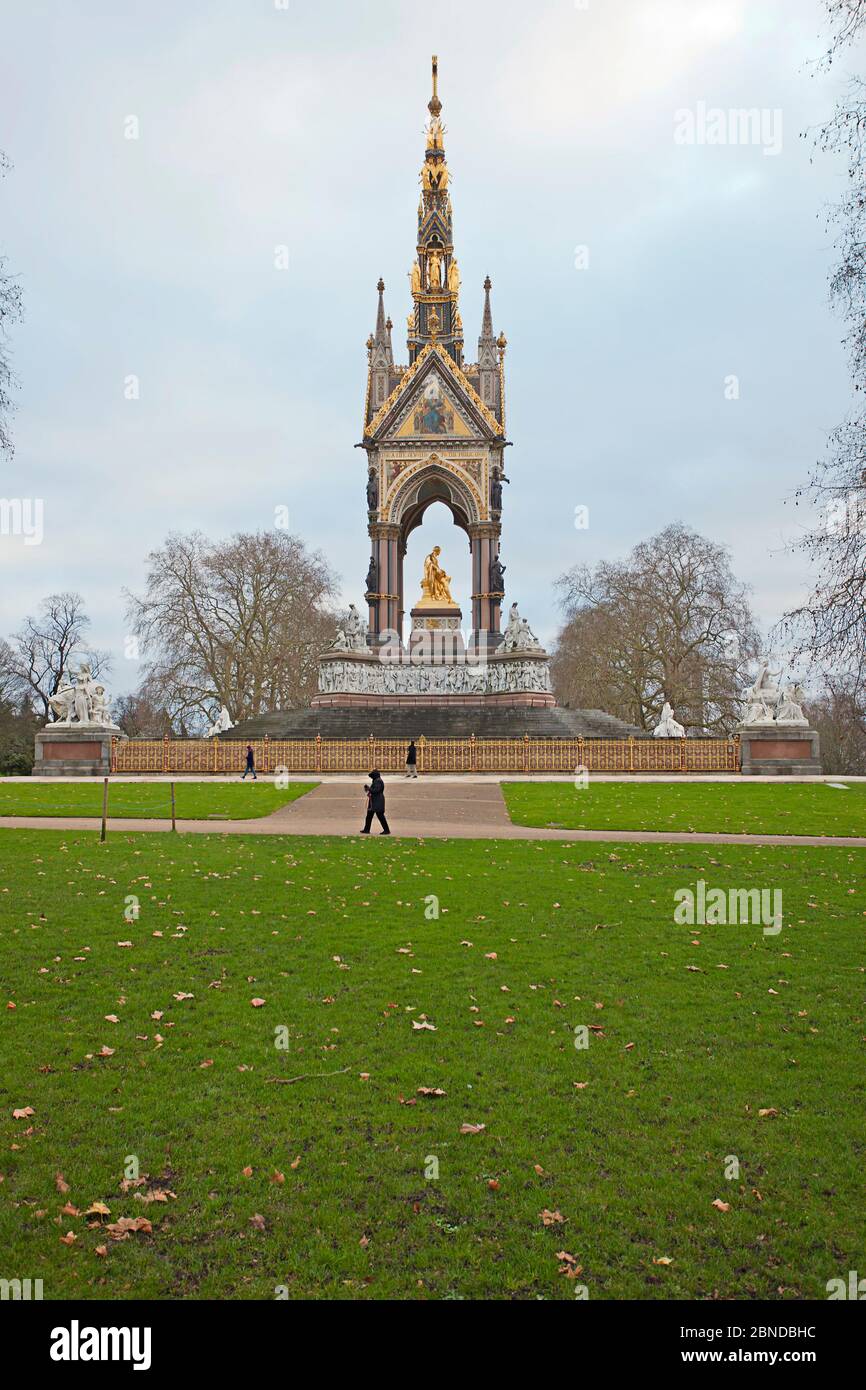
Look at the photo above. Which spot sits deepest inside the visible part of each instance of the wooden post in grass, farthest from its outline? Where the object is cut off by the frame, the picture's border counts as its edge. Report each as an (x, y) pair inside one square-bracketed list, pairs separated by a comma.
[(173, 815), (102, 832)]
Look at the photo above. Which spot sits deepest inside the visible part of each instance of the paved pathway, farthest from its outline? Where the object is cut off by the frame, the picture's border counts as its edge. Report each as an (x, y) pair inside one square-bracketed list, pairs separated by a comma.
[(429, 810)]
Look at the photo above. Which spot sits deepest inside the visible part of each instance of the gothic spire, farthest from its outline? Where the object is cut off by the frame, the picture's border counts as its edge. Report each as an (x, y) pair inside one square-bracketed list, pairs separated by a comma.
[(382, 336), (489, 381), (435, 276), (487, 318), (379, 356), (379, 335)]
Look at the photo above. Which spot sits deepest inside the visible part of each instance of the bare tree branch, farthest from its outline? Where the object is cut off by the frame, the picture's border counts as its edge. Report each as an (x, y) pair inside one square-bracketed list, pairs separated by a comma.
[(829, 629), (46, 645), (239, 623), (668, 623), (10, 312)]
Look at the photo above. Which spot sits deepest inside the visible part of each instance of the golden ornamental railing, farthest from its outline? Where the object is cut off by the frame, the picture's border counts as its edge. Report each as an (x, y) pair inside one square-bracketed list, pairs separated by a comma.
[(569, 755)]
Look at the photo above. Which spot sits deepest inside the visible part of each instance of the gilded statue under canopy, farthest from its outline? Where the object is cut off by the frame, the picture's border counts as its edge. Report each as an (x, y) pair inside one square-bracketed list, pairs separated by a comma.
[(435, 586), (434, 271), (434, 134)]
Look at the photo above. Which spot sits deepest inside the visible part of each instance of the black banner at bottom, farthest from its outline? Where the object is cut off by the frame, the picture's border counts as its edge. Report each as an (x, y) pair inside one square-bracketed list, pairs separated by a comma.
[(63, 1339)]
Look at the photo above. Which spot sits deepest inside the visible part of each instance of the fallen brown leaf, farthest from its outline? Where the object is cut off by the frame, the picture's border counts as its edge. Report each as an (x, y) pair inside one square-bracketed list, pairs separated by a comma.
[(119, 1230), (552, 1218)]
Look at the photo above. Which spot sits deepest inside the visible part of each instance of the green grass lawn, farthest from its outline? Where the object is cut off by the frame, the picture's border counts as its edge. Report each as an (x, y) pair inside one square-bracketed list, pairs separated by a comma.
[(378, 1192), (130, 800), (780, 808)]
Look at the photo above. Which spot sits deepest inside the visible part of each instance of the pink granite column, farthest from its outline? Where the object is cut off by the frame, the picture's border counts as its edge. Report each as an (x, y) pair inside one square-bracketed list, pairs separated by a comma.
[(475, 551)]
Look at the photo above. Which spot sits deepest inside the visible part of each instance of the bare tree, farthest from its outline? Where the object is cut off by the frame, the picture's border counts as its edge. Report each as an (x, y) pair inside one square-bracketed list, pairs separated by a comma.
[(598, 663), (839, 715), (10, 312), (12, 687), (238, 623), (139, 717), (829, 629), (670, 622), (18, 724), (847, 18), (45, 647)]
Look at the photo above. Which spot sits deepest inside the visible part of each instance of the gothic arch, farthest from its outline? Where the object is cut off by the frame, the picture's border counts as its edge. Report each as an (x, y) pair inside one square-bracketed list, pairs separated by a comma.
[(433, 481), (420, 484)]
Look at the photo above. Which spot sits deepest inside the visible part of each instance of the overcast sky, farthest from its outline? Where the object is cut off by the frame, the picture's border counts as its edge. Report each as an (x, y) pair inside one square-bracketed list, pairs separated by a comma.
[(264, 124)]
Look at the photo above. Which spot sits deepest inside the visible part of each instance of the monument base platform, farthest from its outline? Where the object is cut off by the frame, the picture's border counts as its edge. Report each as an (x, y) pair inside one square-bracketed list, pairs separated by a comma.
[(779, 750), (451, 720), (74, 751)]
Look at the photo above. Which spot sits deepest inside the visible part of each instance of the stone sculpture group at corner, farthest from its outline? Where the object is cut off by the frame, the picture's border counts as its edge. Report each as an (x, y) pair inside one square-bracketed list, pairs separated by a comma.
[(768, 704), (82, 701)]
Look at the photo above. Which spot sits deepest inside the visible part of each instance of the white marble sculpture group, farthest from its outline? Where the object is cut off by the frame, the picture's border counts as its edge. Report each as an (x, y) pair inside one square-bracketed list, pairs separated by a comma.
[(382, 674), (769, 705), (222, 725), (518, 636), (82, 701), (352, 635), (667, 726)]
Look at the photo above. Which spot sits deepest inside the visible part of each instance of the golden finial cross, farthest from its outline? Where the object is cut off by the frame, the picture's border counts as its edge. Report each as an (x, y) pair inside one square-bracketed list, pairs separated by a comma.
[(434, 106)]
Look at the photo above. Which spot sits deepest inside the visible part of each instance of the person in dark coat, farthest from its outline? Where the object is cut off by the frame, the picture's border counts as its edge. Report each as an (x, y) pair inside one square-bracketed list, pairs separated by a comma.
[(251, 764), (375, 790), (412, 760)]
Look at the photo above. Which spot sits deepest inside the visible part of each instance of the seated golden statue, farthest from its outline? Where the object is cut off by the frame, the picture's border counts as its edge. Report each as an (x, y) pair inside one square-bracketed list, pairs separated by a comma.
[(435, 589)]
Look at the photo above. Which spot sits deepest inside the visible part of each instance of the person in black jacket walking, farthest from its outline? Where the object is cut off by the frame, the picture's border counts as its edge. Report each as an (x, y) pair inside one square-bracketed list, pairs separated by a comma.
[(412, 760), (250, 764), (375, 790)]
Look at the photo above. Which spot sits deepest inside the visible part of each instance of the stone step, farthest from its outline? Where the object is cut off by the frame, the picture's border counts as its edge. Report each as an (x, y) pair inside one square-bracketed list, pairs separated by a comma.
[(434, 722)]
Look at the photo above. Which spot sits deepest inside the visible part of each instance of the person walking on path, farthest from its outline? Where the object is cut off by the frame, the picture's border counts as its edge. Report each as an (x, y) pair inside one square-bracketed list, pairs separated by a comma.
[(251, 764), (375, 790), (412, 760)]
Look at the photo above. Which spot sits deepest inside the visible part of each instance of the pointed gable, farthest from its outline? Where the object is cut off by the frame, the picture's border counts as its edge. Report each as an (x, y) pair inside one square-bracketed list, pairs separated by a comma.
[(434, 398)]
